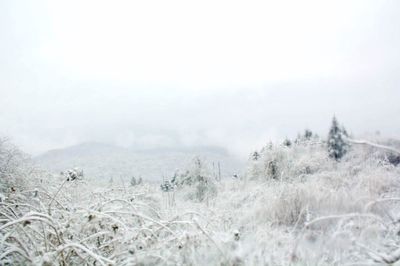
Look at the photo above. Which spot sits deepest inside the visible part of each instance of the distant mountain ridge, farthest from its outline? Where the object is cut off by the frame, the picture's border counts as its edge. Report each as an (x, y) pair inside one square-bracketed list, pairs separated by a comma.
[(104, 161)]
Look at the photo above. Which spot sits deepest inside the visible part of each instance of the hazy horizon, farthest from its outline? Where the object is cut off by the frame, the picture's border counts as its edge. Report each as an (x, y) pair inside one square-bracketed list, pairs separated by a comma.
[(218, 73)]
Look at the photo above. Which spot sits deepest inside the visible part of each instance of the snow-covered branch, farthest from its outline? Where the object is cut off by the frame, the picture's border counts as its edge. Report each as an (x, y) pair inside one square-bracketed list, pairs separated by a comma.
[(380, 146)]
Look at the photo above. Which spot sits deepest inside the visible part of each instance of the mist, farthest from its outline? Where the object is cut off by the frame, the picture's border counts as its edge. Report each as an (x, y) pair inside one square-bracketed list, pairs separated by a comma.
[(229, 74)]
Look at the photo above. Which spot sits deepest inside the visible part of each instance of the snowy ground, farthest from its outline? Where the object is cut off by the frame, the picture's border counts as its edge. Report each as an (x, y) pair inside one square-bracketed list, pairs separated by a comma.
[(308, 210)]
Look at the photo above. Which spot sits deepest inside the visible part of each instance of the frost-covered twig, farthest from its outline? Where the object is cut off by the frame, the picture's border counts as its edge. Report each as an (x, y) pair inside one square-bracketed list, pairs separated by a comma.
[(380, 146), (99, 258), (143, 217), (17, 250), (209, 237), (384, 258), (55, 195), (330, 217), (371, 203)]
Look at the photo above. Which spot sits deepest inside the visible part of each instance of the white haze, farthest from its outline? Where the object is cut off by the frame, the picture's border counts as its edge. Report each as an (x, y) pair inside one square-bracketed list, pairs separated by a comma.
[(170, 73)]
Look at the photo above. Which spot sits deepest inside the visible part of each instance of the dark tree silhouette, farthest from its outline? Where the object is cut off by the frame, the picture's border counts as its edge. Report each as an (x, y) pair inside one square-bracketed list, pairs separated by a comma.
[(337, 146)]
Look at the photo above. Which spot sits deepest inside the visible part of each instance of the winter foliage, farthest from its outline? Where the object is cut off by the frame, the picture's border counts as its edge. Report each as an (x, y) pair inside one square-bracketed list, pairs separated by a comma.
[(337, 147), (13, 165), (196, 183), (299, 204)]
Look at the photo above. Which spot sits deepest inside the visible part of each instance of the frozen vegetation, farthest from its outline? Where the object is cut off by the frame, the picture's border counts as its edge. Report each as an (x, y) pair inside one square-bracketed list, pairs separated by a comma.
[(302, 202), (102, 161)]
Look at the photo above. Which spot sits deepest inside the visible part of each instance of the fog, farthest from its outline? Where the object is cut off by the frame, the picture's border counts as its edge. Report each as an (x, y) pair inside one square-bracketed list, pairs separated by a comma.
[(161, 74)]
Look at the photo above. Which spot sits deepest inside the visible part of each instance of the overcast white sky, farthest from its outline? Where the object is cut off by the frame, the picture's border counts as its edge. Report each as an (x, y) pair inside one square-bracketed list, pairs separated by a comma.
[(228, 73)]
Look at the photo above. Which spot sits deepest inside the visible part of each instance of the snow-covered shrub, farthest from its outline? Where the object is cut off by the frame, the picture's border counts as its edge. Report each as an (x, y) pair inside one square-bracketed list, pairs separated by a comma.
[(271, 164), (289, 206), (73, 174), (13, 167), (281, 162), (76, 226), (196, 181)]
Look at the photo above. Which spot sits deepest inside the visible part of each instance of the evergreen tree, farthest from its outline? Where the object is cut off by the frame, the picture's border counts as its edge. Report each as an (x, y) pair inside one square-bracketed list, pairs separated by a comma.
[(133, 181), (307, 134), (337, 147), (255, 156), (287, 142), (273, 169)]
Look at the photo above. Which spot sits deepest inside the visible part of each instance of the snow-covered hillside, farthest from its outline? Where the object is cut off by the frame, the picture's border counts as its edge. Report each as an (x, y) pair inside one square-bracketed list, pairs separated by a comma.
[(295, 205), (102, 162)]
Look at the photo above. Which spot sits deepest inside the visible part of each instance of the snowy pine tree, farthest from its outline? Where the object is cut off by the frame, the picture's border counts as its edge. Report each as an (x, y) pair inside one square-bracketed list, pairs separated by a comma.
[(287, 142), (133, 181), (307, 134), (255, 156), (337, 147)]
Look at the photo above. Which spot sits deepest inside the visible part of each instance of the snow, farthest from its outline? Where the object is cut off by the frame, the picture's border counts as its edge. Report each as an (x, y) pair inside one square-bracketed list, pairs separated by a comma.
[(310, 210)]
